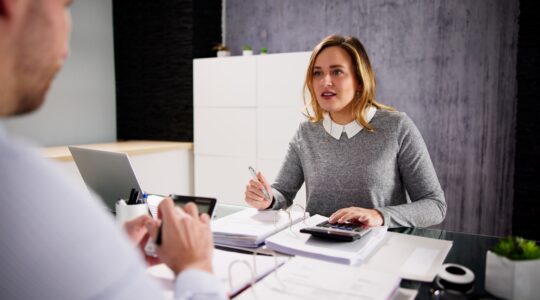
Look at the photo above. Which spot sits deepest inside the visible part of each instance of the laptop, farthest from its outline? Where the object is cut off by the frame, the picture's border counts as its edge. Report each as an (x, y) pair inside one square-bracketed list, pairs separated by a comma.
[(109, 174)]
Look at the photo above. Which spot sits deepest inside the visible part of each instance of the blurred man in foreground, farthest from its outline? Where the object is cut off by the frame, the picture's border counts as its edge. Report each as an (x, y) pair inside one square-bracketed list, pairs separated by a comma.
[(57, 242)]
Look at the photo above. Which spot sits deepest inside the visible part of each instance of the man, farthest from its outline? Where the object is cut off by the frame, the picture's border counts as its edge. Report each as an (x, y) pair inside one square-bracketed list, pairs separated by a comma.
[(57, 242)]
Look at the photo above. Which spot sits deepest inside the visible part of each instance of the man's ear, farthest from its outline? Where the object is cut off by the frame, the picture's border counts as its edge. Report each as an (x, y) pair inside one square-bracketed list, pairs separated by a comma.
[(6, 8)]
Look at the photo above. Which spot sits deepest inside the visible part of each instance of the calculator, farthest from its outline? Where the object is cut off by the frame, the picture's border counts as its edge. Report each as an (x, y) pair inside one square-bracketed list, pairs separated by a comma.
[(338, 231)]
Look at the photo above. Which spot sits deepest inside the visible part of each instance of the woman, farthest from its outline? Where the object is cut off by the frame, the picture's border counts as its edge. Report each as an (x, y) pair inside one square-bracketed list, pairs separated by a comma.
[(362, 161)]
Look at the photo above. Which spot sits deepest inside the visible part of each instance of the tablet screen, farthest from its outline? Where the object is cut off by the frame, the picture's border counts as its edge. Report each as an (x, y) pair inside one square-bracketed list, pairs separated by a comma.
[(204, 205)]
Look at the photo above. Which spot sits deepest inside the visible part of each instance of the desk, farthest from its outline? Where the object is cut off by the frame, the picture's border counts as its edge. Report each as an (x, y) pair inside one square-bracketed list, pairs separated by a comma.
[(468, 250)]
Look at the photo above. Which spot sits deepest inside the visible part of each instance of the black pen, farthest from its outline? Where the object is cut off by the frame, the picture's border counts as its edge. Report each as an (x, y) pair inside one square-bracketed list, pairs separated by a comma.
[(130, 199)]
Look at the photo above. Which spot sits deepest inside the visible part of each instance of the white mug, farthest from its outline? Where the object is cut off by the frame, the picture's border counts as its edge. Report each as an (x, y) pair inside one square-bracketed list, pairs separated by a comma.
[(126, 213)]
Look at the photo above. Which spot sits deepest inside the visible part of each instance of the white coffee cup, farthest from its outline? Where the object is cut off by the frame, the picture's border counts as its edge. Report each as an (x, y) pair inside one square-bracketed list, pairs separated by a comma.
[(126, 213)]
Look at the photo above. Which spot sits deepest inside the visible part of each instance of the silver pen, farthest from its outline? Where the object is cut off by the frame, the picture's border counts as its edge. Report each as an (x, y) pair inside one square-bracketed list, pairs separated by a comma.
[(254, 175)]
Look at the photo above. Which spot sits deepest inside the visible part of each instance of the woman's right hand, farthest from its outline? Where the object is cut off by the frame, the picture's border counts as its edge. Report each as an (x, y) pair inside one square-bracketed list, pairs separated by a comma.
[(254, 194)]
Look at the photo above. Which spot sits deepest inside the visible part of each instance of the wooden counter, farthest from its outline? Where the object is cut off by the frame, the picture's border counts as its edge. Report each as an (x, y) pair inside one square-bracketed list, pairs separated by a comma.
[(61, 153)]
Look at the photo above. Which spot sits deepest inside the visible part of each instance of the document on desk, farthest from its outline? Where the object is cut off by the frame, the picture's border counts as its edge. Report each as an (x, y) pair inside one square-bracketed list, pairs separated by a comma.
[(293, 242), (414, 257), (250, 227), (242, 267), (305, 278)]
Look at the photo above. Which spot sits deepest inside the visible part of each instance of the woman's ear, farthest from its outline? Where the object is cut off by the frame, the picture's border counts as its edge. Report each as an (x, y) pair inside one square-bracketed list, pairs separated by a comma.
[(359, 90)]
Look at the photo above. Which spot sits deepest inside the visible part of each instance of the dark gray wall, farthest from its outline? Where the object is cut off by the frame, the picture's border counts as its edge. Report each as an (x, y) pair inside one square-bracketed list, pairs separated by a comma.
[(449, 64)]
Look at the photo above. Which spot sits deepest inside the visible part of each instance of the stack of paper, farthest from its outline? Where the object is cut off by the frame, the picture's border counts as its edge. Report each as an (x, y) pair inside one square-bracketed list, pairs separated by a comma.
[(304, 278), (293, 242), (413, 257), (241, 267), (250, 227)]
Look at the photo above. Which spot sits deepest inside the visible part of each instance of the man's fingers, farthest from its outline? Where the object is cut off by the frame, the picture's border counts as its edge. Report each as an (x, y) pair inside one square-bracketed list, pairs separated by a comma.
[(205, 219), (152, 228), (167, 210), (192, 210)]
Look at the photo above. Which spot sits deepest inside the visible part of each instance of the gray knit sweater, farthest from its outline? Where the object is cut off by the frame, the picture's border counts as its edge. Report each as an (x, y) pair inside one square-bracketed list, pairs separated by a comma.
[(388, 169)]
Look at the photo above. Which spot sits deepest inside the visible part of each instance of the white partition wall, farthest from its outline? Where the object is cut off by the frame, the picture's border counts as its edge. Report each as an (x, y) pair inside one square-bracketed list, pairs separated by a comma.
[(246, 110)]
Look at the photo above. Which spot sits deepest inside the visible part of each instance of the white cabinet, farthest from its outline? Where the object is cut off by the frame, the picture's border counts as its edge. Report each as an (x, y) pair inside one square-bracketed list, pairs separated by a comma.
[(246, 110)]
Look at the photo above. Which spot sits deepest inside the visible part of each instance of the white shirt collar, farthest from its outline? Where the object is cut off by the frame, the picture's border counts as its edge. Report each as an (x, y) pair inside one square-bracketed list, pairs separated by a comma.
[(351, 129)]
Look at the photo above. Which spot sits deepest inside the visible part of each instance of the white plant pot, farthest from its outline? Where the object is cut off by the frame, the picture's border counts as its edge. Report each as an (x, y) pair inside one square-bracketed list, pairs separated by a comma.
[(223, 53), (512, 279), (247, 52)]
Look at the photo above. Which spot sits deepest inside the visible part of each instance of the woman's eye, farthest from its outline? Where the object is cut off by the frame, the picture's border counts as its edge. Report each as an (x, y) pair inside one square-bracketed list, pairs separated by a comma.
[(337, 72), (316, 73)]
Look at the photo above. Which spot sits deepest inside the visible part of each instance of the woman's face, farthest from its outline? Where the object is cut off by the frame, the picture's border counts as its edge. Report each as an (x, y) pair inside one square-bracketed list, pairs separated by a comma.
[(334, 83)]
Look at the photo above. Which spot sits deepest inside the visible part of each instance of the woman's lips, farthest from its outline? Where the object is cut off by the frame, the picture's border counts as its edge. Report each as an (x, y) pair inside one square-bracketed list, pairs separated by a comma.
[(328, 95)]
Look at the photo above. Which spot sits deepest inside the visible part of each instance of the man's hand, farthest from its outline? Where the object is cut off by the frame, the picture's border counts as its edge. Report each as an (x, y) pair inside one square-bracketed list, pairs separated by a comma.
[(368, 217), (137, 232), (186, 237)]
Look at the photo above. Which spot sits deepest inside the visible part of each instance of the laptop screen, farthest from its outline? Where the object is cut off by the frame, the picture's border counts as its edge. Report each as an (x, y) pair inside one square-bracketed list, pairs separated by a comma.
[(109, 174)]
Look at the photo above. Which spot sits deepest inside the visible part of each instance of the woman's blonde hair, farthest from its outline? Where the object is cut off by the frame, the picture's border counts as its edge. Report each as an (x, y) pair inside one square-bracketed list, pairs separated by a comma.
[(362, 71)]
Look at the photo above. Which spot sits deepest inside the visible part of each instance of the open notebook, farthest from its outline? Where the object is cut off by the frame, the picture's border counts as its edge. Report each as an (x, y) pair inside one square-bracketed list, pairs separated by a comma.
[(250, 227), (235, 271)]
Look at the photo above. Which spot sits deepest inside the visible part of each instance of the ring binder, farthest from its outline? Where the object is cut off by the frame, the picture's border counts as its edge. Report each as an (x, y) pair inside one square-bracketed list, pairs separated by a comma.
[(231, 265)]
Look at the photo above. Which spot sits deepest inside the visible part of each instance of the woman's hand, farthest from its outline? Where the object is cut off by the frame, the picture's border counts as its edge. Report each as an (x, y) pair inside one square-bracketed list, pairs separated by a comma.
[(254, 194), (368, 217)]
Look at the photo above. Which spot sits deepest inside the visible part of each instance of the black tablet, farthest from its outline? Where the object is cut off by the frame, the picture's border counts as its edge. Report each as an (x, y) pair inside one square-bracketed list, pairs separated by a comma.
[(205, 205)]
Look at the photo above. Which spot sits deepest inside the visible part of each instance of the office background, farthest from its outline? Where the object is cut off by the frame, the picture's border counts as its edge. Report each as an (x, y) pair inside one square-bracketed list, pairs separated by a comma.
[(463, 70)]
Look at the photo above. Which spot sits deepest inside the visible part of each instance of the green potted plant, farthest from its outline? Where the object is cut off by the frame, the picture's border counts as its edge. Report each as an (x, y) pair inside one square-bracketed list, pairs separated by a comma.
[(222, 50), (247, 50), (513, 268), (264, 50)]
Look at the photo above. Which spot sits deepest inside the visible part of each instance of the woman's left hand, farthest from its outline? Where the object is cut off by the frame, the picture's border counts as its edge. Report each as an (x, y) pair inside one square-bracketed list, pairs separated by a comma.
[(368, 217)]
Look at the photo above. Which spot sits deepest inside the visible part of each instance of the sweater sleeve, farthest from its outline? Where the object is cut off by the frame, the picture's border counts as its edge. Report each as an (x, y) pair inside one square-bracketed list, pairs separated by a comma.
[(290, 177), (428, 205)]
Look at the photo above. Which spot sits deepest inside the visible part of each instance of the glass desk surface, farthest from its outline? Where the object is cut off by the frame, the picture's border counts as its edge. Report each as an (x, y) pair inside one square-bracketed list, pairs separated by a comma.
[(468, 250)]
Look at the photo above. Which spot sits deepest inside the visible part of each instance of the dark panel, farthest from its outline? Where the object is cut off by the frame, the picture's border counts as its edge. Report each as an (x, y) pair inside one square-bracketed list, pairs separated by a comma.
[(449, 64), (206, 27), (154, 47), (527, 164)]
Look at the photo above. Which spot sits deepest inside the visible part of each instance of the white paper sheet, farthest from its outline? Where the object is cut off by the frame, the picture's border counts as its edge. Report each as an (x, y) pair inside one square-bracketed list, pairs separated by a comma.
[(241, 271), (304, 278), (416, 258)]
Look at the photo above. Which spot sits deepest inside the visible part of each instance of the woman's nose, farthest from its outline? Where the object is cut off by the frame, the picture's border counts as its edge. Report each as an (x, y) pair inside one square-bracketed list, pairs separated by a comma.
[(327, 81)]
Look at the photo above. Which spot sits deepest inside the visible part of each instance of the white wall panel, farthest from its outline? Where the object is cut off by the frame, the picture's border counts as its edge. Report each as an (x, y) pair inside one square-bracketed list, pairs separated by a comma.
[(224, 178), (275, 128), (225, 131), (280, 79), (224, 82)]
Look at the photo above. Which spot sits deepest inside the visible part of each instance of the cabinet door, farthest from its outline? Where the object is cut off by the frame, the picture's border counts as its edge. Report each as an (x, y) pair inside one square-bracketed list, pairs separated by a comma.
[(224, 178), (275, 129), (224, 82), (225, 131), (280, 79), (166, 172)]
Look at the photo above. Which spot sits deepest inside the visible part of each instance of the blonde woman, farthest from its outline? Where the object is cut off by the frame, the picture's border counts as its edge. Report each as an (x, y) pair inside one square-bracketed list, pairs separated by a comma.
[(362, 161)]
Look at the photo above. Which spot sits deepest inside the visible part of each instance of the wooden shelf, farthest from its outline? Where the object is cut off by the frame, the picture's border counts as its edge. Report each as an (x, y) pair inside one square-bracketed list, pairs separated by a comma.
[(61, 153)]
